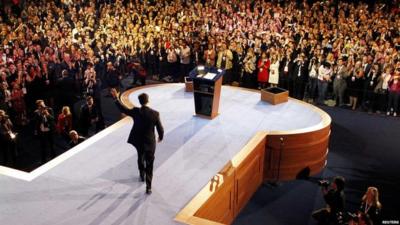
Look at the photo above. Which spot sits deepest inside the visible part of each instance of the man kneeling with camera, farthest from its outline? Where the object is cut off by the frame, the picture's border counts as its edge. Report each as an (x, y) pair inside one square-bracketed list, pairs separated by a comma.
[(334, 198)]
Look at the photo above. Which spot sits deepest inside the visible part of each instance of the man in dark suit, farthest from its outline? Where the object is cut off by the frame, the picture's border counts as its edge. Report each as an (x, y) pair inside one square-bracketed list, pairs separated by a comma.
[(44, 129), (142, 135), (90, 115), (299, 77)]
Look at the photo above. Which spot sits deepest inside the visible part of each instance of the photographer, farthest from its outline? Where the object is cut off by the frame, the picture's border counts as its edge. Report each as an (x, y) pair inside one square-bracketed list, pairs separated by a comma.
[(44, 129), (7, 138), (334, 198)]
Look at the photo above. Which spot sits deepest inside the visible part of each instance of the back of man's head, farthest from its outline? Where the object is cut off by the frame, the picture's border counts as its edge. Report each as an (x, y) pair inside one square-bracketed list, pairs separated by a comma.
[(143, 99), (339, 181)]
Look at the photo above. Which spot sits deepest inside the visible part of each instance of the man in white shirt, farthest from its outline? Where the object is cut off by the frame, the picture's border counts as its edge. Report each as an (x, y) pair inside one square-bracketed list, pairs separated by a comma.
[(324, 77), (184, 55)]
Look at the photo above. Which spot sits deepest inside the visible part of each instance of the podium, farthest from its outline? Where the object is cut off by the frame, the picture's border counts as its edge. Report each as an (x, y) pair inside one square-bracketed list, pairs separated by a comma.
[(207, 82)]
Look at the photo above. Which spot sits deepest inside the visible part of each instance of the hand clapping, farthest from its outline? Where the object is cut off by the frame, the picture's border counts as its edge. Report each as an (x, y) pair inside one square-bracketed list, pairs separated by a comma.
[(114, 93)]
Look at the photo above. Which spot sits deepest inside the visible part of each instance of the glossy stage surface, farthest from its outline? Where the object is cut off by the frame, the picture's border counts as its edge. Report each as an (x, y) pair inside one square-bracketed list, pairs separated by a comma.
[(97, 182)]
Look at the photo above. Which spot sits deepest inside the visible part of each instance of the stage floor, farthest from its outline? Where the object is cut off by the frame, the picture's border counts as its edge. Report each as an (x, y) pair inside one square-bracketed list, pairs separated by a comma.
[(97, 182)]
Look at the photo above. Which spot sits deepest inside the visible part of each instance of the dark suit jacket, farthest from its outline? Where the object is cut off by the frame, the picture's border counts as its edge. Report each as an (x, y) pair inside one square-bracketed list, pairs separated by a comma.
[(86, 116), (142, 133)]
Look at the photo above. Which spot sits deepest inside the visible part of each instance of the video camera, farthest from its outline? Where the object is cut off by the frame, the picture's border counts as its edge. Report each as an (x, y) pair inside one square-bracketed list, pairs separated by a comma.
[(324, 183)]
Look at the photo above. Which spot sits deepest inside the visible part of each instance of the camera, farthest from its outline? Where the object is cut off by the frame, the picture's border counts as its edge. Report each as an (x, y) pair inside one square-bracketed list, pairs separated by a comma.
[(323, 183)]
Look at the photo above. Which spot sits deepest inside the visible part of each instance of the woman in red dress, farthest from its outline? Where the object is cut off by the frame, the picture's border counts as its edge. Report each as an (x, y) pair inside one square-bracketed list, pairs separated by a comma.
[(64, 122), (18, 102), (263, 70)]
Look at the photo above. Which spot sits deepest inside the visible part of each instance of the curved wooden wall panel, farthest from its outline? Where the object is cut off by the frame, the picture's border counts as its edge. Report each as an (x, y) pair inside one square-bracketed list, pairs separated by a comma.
[(291, 156)]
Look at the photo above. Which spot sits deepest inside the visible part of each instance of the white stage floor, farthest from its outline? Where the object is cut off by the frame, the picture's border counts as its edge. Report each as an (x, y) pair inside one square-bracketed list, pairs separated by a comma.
[(97, 182)]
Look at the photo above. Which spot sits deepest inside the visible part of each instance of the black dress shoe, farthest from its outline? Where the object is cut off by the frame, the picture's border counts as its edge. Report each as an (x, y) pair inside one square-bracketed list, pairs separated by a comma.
[(148, 191)]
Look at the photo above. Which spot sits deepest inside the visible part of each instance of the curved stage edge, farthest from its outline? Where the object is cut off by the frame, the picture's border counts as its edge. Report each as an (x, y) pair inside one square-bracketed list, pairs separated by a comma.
[(269, 156)]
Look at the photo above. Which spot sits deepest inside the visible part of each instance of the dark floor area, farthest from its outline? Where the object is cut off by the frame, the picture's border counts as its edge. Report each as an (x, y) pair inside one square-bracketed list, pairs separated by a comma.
[(364, 148)]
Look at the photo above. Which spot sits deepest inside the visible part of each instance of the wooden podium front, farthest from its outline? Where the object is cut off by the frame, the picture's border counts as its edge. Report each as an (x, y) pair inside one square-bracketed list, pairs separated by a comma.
[(207, 82)]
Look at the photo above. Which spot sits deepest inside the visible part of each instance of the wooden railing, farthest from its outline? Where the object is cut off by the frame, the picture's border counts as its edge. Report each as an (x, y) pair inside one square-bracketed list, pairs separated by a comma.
[(268, 156), (228, 192)]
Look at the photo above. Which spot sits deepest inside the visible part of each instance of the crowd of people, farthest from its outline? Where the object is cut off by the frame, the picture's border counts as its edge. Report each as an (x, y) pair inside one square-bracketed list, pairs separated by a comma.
[(54, 53)]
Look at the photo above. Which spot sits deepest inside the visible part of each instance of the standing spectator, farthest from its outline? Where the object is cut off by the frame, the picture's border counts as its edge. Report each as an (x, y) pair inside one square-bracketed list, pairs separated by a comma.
[(299, 77), (184, 56), (7, 139), (312, 80), (285, 73), (324, 77), (263, 65), (370, 81), (354, 85), (162, 59), (18, 102), (249, 78), (44, 129), (339, 82), (172, 60), (65, 91), (209, 56), (90, 81), (113, 77), (90, 116), (151, 61), (274, 70), (381, 90), (64, 122), (224, 61), (394, 93), (371, 206)]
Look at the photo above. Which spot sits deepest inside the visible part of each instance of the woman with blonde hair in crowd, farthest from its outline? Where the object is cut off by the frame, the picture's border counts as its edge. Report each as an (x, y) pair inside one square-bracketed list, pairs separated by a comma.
[(354, 84), (249, 66), (370, 205), (394, 93), (274, 69), (64, 122)]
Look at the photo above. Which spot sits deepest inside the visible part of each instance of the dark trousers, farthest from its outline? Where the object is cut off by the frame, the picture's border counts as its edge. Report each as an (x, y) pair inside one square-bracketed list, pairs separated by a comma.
[(140, 78), (173, 70), (47, 143), (312, 88), (368, 99), (145, 162), (249, 80), (284, 82), (393, 102), (322, 88), (227, 78), (99, 125), (298, 88), (8, 147), (184, 70), (380, 100)]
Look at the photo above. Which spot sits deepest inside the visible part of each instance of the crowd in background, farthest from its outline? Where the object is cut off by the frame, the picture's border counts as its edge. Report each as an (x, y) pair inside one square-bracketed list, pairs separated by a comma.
[(53, 53)]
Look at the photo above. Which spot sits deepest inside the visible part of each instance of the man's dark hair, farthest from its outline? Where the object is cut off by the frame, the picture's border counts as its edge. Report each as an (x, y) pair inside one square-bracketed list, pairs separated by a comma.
[(339, 181), (143, 98)]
